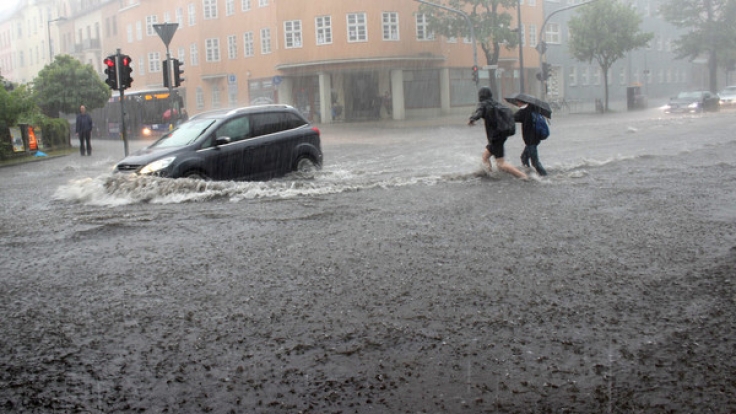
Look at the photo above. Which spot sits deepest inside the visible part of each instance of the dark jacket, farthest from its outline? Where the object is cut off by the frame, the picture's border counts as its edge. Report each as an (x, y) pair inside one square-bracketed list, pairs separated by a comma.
[(528, 132), (485, 111), (84, 123)]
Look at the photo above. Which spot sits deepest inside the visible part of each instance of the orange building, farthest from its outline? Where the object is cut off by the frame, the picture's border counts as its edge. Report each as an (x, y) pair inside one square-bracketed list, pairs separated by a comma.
[(332, 59)]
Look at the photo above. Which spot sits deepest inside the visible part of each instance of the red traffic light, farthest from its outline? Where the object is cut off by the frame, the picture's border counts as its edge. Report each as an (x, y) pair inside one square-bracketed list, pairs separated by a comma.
[(109, 62)]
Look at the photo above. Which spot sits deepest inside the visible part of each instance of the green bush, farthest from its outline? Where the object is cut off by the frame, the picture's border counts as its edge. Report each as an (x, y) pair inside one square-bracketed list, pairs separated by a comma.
[(56, 132)]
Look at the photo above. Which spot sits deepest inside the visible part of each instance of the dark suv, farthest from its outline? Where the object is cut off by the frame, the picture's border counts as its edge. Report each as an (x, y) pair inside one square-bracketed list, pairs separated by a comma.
[(252, 143)]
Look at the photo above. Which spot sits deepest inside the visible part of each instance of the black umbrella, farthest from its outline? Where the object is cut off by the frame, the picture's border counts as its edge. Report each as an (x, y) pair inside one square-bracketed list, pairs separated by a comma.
[(520, 99)]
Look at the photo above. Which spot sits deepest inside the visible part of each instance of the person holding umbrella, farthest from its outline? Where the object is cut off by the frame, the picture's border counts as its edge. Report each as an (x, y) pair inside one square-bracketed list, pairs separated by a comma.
[(532, 111)]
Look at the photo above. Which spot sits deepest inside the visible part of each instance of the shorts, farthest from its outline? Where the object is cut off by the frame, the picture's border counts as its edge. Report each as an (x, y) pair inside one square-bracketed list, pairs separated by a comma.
[(496, 146)]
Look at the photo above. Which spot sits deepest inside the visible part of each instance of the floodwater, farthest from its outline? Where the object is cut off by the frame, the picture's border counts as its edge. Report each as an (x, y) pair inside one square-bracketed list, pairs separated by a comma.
[(396, 154), (399, 279)]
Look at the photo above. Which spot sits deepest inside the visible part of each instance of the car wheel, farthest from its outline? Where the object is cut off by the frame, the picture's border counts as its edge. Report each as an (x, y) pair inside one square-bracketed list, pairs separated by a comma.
[(305, 165), (195, 175)]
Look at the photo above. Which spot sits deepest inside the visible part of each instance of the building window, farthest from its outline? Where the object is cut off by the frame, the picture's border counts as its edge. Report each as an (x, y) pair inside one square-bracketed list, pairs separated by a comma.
[(262, 3), (323, 25), (573, 76), (586, 76), (139, 30), (210, 9), (390, 26), (212, 49), (230, 7), (167, 17), (215, 96), (245, 5), (265, 41), (293, 34), (423, 32), (180, 54), (622, 76), (248, 44), (150, 21), (357, 28), (522, 27), (141, 67), (129, 29), (552, 35), (232, 97), (180, 16), (154, 62), (192, 11), (193, 55), (232, 47), (200, 98), (533, 35)]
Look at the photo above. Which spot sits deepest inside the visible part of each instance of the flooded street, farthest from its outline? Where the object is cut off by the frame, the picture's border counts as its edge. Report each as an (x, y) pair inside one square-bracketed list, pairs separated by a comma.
[(398, 279)]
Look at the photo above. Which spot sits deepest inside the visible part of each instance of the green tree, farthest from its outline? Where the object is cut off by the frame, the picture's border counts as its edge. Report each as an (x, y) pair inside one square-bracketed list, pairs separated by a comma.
[(710, 31), (15, 104), (491, 23), (605, 31), (66, 84)]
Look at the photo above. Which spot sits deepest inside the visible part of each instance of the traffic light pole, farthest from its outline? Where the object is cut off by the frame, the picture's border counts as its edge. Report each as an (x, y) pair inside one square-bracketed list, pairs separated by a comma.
[(123, 134)]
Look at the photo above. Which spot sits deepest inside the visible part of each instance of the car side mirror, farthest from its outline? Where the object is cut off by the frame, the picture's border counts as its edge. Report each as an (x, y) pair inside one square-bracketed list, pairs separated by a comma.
[(222, 140)]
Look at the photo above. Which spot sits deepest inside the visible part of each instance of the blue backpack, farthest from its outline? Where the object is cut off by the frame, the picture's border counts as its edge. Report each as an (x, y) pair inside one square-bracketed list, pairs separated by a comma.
[(540, 125)]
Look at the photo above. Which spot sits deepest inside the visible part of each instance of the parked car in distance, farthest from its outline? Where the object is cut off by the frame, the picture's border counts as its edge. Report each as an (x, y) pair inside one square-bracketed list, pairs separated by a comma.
[(728, 96), (693, 102), (250, 143)]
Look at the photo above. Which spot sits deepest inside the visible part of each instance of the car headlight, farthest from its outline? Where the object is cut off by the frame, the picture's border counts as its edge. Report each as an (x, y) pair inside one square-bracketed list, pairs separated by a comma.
[(157, 165), (694, 105), (146, 132)]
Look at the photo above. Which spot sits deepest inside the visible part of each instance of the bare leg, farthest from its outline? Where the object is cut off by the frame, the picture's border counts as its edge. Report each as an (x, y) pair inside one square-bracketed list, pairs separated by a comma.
[(487, 160), (506, 167)]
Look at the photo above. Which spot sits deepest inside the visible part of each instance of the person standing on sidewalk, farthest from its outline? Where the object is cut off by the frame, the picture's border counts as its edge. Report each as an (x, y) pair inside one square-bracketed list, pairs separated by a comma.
[(84, 131), (531, 138), (496, 139)]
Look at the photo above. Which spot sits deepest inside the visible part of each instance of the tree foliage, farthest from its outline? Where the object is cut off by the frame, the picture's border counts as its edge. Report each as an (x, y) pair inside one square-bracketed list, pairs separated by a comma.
[(604, 31), (66, 84), (15, 104), (710, 31), (491, 23)]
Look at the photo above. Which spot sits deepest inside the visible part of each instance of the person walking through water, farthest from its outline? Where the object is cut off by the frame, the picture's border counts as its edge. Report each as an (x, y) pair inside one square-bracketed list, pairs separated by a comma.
[(84, 130), (531, 138), (496, 139)]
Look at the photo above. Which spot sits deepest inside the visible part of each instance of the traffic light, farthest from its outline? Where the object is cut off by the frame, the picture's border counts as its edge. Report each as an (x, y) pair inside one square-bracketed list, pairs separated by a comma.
[(475, 73), (545, 73), (177, 72), (111, 72), (125, 71), (167, 74)]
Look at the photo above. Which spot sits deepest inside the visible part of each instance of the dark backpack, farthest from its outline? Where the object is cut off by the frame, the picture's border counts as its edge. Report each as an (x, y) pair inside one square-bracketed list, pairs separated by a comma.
[(540, 125), (505, 124)]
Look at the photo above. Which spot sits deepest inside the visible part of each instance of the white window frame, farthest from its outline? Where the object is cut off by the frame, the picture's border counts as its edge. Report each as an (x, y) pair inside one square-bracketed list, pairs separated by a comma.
[(323, 30), (212, 49), (150, 21), (180, 17), (532, 35), (422, 27), (129, 30), (262, 3), (266, 41), (209, 9), (249, 48), (193, 55), (199, 98), (215, 95), (229, 7), (552, 34), (390, 26), (245, 5), (357, 27), (573, 76), (192, 14), (154, 62), (139, 30), (232, 47), (293, 34)]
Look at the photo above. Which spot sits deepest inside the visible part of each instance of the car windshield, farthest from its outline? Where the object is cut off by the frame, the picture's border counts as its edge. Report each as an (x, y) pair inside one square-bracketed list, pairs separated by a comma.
[(185, 134), (689, 95)]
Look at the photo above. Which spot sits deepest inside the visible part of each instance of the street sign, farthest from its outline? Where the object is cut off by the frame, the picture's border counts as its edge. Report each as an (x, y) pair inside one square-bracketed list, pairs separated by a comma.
[(277, 80), (166, 31), (232, 79)]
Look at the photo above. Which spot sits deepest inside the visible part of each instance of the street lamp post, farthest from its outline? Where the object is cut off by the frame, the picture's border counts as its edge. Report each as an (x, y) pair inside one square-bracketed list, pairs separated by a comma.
[(48, 24), (521, 49)]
